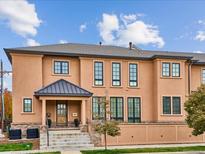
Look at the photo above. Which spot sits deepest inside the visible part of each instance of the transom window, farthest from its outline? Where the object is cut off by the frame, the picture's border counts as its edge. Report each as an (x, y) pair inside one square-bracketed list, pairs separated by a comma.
[(98, 73), (133, 75), (175, 69), (171, 105), (166, 69), (61, 67), (134, 110), (27, 105), (116, 74), (203, 76), (98, 106), (116, 108)]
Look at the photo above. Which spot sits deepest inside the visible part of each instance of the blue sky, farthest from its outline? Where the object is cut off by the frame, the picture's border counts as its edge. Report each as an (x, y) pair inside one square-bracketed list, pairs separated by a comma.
[(156, 25)]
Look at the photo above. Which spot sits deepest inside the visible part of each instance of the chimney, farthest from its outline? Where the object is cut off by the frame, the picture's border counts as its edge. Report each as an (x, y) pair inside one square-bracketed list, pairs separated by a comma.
[(100, 43), (130, 45)]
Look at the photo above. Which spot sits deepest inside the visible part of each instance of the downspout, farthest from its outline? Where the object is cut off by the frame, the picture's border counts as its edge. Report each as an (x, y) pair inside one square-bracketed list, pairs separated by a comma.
[(189, 77)]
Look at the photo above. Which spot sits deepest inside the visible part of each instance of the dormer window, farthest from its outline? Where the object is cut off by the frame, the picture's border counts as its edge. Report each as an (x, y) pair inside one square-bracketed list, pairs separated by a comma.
[(61, 67)]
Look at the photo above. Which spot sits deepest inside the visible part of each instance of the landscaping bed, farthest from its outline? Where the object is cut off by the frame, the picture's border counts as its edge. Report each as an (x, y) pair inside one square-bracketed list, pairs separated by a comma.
[(146, 150), (16, 147)]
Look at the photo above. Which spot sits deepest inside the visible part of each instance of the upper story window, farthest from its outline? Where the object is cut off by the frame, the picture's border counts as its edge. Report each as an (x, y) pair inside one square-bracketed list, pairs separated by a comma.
[(61, 67), (165, 69), (98, 73), (175, 69), (27, 105), (171, 105), (116, 74), (98, 106), (134, 109), (116, 108), (133, 75), (203, 76)]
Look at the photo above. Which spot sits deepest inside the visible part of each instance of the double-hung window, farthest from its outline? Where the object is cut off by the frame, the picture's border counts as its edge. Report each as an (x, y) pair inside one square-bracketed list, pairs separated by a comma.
[(175, 69), (98, 106), (133, 75), (27, 105), (61, 67), (116, 74), (171, 105), (98, 73), (134, 110), (165, 69), (203, 76), (116, 108)]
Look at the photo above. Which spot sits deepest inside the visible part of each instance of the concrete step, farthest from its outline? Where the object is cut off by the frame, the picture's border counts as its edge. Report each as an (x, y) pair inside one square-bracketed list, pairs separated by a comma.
[(64, 147)]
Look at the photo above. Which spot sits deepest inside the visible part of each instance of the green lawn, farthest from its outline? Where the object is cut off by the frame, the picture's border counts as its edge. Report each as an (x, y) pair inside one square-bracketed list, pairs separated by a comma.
[(49, 153), (141, 150), (15, 147)]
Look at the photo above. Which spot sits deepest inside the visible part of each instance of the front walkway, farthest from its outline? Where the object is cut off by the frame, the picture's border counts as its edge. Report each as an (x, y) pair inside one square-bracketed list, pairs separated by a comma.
[(77, 151)]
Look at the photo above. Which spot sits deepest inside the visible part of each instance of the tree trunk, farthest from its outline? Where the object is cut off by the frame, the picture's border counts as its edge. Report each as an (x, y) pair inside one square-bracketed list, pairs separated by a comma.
[(105, 140)]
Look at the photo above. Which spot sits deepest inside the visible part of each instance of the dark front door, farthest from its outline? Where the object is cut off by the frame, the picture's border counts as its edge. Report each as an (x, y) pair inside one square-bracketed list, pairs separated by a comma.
[(61, 113)]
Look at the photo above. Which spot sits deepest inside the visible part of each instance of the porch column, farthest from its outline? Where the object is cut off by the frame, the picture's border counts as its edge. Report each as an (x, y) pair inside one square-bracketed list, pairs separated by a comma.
[(43, 112), (83, 112)]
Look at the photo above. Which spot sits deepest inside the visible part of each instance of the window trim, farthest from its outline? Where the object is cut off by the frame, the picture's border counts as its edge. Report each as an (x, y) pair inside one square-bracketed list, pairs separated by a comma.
[(169, 69), (137, 75), (179, 105), (61, 60), (120, 71), (102, 73), (179, 70), (123, 116), (171, 96), (140, 107), (23, 105), (170, 105)]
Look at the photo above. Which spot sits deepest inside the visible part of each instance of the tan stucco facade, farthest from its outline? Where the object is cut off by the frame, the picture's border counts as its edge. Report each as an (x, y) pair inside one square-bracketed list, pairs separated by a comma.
[(32, 72)]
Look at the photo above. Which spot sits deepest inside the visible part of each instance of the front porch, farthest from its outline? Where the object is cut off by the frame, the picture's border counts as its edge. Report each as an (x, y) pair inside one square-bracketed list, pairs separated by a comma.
[(62, 102)]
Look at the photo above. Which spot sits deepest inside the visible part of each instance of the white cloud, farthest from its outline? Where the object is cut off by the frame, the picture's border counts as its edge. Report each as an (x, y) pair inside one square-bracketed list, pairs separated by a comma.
[(63, 41), (7, 81), (32, 42), (200, 36), (128, 29), (21, 17), (201, 22), (83, 27), (198, 51)]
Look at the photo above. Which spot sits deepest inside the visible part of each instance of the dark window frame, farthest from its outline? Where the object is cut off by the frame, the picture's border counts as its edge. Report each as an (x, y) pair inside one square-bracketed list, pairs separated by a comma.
[(179, 69), (31, 106), (121, 119), (203, 76), (95, 79), (170, 106), (61, 67), (135, 119), (169, 69), (114, 80), (99, 107), (136, 75), (173, 105)]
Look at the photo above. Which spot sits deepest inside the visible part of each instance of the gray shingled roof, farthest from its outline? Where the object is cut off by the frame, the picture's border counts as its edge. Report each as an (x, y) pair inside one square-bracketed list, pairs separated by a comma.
[(71, 49), (63, 88)]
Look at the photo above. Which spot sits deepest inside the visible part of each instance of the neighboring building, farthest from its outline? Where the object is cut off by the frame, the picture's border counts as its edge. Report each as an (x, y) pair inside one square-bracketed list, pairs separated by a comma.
[(146, 89)]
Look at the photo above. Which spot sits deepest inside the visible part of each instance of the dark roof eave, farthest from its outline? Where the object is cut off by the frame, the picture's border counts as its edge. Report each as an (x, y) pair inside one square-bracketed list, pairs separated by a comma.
[(172, 57), (64, 95)]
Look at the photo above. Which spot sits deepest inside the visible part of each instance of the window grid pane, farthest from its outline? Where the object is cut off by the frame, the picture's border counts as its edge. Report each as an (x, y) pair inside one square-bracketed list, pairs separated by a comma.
[(175, 69), (98, 73), (203, 76), (165, 69), (98, 107), (134, 110), (176, 105), (116, 108), (166, 105), (133, 74), (27, 104), (116, 74), (61, 67)]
